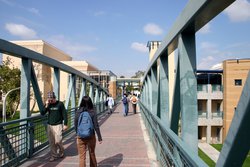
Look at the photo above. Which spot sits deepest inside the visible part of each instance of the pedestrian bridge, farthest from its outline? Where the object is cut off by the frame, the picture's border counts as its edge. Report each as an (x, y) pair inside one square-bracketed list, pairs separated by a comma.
[(172, 130)]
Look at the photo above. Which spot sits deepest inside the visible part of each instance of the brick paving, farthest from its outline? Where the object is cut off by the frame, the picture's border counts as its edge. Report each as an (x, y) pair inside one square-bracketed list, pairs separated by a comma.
[(123, 144)]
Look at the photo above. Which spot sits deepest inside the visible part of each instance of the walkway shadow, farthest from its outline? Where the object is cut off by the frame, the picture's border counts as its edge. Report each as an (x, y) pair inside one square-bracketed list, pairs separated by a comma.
[(113, 161), (104, 116), (42, 158)]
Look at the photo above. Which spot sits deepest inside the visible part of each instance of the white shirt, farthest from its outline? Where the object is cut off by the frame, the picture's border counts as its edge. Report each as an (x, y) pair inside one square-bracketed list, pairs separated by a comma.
[(110, 101)]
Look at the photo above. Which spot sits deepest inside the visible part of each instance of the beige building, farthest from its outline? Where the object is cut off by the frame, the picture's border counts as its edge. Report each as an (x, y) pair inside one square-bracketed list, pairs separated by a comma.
[(44, 73), (234, 78), (153, 46)]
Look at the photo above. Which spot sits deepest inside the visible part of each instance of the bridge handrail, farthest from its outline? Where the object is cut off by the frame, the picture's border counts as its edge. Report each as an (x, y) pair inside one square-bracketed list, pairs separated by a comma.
[(166, 137), (21, 52), (194, 16), (15, 148), (169, 88)]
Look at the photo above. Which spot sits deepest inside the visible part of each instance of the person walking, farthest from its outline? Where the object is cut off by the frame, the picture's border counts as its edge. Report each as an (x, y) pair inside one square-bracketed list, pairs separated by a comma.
[(125, 104), (110, 103), (134, 100), (57, 123), (84, 144)]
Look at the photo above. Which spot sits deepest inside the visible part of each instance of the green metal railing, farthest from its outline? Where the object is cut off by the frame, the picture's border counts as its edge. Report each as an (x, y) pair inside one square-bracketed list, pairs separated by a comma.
[(169, 97), (171, 150), (20, 139)]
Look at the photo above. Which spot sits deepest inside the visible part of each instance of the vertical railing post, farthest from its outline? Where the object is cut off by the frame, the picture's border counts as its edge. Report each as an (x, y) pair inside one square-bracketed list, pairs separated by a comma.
[(149, 94), (56, 82), (188, 90), (154, 89), (73, 93), (25, 101), (163, 89)]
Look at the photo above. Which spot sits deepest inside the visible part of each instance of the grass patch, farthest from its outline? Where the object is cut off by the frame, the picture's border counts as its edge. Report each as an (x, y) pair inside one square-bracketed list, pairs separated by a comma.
[(206, 159), (217, 146), (247, 160)]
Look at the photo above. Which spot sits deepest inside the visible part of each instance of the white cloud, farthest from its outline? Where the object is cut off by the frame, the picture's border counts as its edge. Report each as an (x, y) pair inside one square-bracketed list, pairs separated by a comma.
[(20, 30), (73, 49), (152, 29), (34, 10), (139, 47), (239, 11), (206, 29), (217, 66), (210, 55)]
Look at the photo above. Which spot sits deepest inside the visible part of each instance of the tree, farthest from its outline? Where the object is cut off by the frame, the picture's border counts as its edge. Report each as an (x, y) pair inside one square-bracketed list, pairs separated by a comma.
[(138, 74), (9, 79)]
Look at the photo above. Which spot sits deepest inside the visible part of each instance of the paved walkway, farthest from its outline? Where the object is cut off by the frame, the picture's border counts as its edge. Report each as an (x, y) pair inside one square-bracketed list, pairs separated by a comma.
[(125, 143), (210, 151)]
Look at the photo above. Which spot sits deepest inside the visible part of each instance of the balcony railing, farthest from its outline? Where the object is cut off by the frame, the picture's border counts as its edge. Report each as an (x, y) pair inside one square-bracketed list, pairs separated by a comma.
[(202, 88), (217, 114), (217, 88)]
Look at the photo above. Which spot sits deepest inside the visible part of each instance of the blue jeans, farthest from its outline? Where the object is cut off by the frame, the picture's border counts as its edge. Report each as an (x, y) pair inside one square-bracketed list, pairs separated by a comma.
[(125, 109)]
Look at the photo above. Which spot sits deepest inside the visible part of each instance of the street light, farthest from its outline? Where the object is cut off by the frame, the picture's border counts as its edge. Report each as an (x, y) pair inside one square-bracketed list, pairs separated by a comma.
[(4, 102)]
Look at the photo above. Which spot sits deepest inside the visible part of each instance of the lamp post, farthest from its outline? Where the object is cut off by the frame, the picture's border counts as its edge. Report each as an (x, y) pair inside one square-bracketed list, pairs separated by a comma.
[(4, 102)]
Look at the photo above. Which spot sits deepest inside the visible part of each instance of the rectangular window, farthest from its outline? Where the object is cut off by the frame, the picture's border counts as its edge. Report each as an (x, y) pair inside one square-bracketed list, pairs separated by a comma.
[(237, 82)]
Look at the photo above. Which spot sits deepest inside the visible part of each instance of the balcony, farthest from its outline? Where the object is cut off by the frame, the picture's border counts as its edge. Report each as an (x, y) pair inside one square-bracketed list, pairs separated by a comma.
[(209, 91)]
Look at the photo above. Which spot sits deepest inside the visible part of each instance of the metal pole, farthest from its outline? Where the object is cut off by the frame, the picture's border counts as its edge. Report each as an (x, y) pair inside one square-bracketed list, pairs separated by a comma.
[(4, 103)]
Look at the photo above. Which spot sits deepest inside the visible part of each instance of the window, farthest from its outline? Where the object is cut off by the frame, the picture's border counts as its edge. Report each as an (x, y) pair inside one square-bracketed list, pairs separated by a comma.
[(237, 82)]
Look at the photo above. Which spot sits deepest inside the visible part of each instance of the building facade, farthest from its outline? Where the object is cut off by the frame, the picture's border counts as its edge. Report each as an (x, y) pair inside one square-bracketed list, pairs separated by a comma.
[(210, 105), (234, 77), (43, 72)]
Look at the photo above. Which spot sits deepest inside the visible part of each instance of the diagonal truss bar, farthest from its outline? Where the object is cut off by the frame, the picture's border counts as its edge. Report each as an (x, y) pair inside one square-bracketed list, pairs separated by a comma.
[(36, 89)]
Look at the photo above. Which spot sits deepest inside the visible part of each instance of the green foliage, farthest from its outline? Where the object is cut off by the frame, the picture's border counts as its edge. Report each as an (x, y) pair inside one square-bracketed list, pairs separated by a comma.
[(10, 78), (138, 74)]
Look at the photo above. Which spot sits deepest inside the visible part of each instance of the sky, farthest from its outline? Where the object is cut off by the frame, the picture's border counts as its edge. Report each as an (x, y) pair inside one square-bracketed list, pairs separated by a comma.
[(113, 34)]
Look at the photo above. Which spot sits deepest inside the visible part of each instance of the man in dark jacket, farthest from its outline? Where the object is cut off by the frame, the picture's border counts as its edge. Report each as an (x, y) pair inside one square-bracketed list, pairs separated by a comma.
[(57, 122)]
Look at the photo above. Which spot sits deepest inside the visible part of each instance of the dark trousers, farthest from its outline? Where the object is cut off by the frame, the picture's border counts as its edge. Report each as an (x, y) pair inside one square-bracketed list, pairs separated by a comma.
[(82, 146), (134, 108)]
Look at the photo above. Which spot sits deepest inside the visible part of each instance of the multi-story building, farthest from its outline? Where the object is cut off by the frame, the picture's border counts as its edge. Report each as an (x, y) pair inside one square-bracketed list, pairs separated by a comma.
[(210, 105)]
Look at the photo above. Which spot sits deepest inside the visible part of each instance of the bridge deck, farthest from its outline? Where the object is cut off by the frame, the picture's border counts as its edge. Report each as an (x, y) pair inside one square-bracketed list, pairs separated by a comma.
[(124, 144)]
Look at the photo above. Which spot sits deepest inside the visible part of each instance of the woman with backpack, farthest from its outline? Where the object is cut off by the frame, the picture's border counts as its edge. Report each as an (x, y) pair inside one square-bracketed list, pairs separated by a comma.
[(86, 125)]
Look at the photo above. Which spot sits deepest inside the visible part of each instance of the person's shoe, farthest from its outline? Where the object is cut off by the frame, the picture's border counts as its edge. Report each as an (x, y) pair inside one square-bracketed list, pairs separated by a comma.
[(52, 159)]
